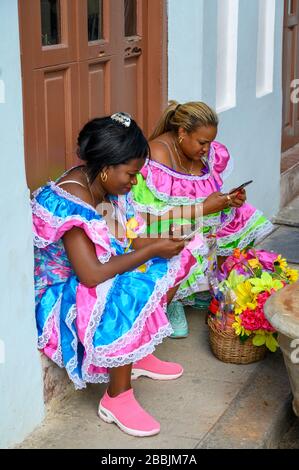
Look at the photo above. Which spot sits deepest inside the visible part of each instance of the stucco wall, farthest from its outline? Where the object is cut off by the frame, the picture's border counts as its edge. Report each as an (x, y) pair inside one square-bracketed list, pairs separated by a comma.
[(21, 399), (252, 128)]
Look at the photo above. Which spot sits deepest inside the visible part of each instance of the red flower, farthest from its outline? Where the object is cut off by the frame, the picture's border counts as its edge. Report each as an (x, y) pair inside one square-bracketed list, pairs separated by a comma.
[(214, 306)]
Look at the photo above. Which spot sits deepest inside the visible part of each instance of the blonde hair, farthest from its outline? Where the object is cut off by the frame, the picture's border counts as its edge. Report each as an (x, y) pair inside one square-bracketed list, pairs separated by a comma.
[(189, 116)]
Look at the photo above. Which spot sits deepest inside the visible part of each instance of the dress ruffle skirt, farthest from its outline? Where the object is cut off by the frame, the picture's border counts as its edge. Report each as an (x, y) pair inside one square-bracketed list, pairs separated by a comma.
[(89, 330), (161, 189)]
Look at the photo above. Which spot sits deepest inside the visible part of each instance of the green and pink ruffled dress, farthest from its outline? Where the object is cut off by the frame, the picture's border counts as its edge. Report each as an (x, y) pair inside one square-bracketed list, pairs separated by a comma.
[(161, 189)]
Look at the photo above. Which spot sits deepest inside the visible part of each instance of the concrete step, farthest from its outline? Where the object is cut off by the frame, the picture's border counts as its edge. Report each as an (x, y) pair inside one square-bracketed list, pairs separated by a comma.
[(285, 241), (290, 439), (289, 215), (213, 405), (187, 408), (259, 415), (57, 385)]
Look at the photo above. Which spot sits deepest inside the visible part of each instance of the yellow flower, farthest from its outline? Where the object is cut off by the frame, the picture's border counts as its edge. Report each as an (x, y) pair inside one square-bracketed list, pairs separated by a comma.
[(239, 329), (292, 274), (254, 263), (281, 263), (142, 268), (245, 297), (130, 226)]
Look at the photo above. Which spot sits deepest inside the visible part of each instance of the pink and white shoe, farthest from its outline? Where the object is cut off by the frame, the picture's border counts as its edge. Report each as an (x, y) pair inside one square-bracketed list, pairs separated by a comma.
[(151, 366), (125, 411)]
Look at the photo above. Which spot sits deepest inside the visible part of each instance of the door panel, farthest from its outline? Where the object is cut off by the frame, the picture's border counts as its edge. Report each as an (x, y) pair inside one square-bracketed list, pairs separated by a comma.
[(110, 20), (95, 93), (35, 55), (56, 117), (83, 59), (134, 63), (290, 129)]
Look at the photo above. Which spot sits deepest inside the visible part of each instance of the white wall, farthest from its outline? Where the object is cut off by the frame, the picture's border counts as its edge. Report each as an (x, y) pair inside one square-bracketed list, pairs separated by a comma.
[(251, 129), (21, 396)]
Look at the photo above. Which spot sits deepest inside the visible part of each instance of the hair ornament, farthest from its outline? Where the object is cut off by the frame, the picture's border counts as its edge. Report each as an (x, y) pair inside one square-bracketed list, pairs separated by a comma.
[(122, 118)]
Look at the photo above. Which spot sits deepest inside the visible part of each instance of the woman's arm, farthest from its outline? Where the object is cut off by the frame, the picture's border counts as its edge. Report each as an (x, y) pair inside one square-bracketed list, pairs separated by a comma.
[(139, 243), (91, 272)]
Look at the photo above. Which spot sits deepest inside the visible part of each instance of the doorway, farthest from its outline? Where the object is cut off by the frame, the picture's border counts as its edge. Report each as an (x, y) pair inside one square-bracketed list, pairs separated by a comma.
[(83, 59)]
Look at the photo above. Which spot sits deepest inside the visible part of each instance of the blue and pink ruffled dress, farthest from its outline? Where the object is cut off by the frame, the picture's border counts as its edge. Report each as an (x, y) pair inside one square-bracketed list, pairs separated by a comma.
[(89, 330)]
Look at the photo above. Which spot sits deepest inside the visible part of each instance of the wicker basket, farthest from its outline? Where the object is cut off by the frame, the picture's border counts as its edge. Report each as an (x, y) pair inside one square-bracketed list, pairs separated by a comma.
[(227, 347)]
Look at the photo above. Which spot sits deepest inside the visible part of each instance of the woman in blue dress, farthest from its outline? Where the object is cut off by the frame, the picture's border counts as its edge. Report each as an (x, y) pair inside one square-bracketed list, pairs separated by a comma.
[(101, 288)]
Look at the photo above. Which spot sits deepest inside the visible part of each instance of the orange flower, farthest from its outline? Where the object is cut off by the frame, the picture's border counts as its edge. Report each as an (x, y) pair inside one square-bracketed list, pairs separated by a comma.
[(237, 253)]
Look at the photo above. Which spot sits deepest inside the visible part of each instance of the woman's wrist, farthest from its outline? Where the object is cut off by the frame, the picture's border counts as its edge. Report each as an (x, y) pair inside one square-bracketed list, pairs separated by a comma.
[(205, 208)]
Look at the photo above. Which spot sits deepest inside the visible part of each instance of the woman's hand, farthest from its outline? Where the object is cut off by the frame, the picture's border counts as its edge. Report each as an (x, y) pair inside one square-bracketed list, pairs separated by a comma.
[(166, 247), (238, 198), (217, 201)]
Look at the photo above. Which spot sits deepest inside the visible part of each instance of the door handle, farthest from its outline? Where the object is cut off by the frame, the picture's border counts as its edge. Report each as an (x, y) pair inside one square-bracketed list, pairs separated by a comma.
[(136, 50)]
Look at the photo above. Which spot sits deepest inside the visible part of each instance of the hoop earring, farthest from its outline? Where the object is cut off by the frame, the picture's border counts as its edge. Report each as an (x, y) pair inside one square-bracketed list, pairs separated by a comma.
[(181, 139), (104, 176)]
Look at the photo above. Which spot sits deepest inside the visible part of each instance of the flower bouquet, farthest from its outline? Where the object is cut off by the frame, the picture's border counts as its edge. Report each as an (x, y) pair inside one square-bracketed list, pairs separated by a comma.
[(239, 331)]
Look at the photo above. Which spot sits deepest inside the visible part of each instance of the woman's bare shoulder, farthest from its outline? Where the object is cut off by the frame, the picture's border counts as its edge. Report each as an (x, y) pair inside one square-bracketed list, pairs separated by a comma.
[(160, 151), (80, 190)]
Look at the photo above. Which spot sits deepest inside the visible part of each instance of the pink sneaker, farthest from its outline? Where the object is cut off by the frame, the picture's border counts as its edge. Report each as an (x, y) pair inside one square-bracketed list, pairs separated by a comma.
[(151, 366), (130, 417)]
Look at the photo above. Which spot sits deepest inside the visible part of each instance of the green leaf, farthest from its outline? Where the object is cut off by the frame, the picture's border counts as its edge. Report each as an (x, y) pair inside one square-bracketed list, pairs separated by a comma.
[(258, 272), (234, 279), (259, 340), (271, 343), (278, 269), (243, 338)]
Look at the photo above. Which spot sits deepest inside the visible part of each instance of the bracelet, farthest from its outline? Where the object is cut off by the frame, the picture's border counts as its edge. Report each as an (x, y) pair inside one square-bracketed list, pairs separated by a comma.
[(229, 199)]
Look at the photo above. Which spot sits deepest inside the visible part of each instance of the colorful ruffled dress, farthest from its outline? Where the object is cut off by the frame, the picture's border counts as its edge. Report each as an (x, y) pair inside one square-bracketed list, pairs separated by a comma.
[(89, 330), (161, 189)]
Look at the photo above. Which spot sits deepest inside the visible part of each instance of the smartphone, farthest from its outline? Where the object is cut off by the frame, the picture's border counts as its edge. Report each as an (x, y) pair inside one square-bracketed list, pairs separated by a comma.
[(241, 187), (191, 234)]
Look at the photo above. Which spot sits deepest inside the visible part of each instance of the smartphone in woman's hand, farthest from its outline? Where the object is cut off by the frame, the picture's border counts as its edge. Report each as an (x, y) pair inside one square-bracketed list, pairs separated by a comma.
[(239, 188)]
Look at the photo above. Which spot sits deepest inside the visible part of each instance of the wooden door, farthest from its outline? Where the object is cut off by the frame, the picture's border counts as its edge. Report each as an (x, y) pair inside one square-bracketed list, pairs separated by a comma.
[(50, 86), (82, 59), (290, 127)]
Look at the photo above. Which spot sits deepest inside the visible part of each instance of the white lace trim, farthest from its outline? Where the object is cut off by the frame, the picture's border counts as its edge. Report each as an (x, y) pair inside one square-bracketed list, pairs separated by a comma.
[(183, 176), (213, 220), (73, 362), (136, 355), (37, 191), (146, 209), (193, 288), (250, 222), (102, 291), (57, 222), (70, 196), (39, 242), (255, 235), (160, 290), (175, 200), (57, 357), (43, 339)]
